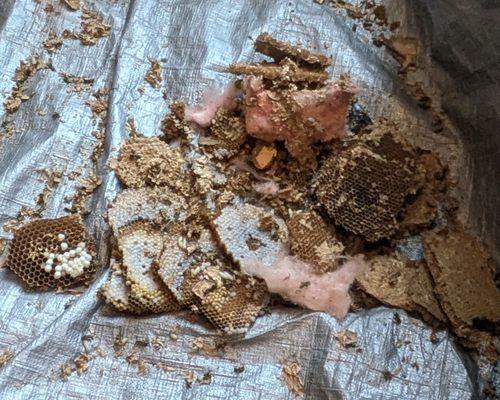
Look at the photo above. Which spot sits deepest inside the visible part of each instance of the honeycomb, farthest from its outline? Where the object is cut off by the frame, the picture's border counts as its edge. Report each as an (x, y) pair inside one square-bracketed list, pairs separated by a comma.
[(230, 302), (115, 291), (52, 253), (149, 162), (141, 246), (364, 187), (145, 204), (179, 255), (248, 232), (312, 241), (228, 134)]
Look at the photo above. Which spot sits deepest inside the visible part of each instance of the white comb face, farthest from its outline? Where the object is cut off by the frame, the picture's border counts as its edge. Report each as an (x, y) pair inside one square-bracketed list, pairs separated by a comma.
[(177, 257), (141, 246), (115, 291), (251, 233), (145, 204)]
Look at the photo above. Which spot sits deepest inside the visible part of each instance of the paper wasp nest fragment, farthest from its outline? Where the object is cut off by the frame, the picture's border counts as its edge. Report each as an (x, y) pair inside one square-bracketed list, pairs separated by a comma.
[(400, 284), (312, 241), (248, 232), (463, 272), (149, 162), (228, 300), (115, 292), (228, 132), (364, 187), (145, 204), (178, 256), (141, 246), (52, 253)]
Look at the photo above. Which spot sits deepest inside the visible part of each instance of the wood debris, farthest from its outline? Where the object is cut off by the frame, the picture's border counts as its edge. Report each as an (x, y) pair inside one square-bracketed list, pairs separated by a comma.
[(291, 376), (347, 338), (76, 83), (52, 43), (273, 72), (5, 356), (264, 155), (92, 26), (279, 50), (189, 378), (25, 71), (119, 345), (65, 371), (72, 4), (164, 367), (173, 125), (153, 76), (99, 105), (81, 363)]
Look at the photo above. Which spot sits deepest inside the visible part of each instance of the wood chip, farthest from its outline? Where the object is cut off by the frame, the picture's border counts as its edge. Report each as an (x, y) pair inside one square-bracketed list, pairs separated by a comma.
[(290, 375), (279, 50), (72, 4)]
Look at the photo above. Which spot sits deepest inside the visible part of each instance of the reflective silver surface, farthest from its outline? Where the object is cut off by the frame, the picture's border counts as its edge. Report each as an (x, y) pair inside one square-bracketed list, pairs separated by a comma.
[(194, 39)]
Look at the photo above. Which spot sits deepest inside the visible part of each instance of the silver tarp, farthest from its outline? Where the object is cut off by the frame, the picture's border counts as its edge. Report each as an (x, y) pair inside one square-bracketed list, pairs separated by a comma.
[(193, 40)]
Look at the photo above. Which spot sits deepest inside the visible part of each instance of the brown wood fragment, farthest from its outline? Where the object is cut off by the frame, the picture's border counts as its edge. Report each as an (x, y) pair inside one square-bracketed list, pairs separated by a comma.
[(279, 50), (276, 71)]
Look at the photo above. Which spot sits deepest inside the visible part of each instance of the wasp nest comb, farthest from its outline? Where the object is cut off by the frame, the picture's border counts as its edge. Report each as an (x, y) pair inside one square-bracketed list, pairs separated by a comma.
[(249, 233), (145, 204), (231, 302), (364, 187), (115, 291), (148, 162), (141, 246), (228, 134), (312, 241), (52, 253), (180, 254)]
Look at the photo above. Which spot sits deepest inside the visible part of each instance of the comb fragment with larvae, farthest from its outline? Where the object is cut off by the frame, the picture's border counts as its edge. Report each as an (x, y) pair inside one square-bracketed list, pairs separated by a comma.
[(364, 187), (249, 233), (312, 241), (178, 256), (145, 204), (115, 291), (231, 302), (141, 246), (52, 253)]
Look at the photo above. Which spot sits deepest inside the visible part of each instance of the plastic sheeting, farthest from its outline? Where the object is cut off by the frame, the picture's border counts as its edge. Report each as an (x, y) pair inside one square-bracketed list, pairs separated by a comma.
[(193, 40)]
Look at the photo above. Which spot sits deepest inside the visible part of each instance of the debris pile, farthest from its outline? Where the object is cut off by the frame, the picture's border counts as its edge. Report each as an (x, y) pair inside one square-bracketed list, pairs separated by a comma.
[(273, 186)]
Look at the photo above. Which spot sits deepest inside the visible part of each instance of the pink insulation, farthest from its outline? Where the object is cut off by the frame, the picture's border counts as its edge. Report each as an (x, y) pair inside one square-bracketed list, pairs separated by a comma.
[(297, 282), (310, 115), (203, 114), (269, 188)]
